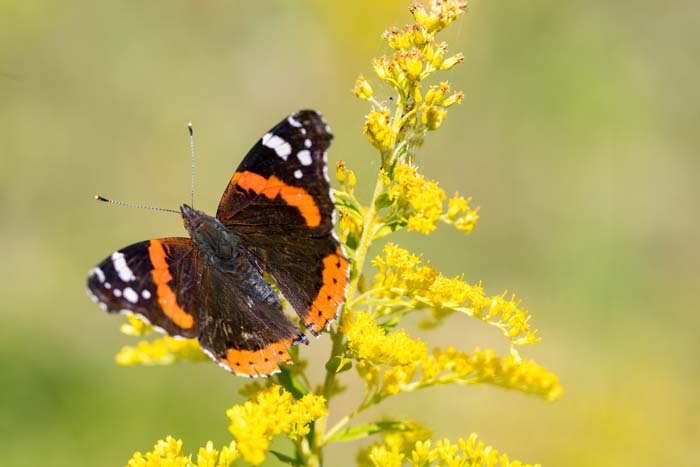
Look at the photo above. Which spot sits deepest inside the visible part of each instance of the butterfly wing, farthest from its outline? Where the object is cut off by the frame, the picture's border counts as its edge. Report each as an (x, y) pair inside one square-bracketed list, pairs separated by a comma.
[(281, 184), (154, 279), (242, 326), (279, 203), (312, 274)]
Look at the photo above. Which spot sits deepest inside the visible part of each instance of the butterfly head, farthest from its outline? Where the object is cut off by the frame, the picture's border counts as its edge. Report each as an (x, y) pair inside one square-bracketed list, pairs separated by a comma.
[(209, 234)]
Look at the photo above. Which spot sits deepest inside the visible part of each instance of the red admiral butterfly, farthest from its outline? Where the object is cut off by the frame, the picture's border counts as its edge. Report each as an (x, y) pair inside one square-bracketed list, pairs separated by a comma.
[(276, 217)]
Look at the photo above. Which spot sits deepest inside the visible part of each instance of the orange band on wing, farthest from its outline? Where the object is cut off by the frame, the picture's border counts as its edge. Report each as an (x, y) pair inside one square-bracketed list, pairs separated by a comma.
[(332, 294), (272, 187), (261, 362), (161, 277)]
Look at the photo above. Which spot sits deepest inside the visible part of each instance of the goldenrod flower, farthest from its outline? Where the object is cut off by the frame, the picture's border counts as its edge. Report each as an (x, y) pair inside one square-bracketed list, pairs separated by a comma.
[(413, 35), (417, 200), (401, 275), (369, 342), (466, 452), (484, 366), (460, 214), (273, 412), (441, 14), (168, 453), (383, 457), (452, 61), (362, 88), (378, 129), (161, 351), (432, 117)]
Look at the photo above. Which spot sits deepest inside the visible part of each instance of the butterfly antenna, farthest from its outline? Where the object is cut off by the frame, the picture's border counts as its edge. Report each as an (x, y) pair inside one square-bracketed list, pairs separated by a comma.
[(131, 205), (189, 127)]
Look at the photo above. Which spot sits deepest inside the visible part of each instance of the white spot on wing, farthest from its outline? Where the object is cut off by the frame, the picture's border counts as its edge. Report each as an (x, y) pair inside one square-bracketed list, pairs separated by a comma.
[(108, 285), (125, 274), (131, 295), (304, 157), (298, 173), (97, 272), (294, 122), (146, 294), (92, 296), (117, 293), (307, 143), (325, 172), (280, 146)]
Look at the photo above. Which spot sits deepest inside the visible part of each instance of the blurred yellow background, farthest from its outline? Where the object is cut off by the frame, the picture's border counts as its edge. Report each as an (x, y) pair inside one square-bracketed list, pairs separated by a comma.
[(578, 138)]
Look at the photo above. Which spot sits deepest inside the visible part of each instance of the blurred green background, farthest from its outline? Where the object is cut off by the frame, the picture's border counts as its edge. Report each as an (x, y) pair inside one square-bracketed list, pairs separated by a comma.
[(578, 138)]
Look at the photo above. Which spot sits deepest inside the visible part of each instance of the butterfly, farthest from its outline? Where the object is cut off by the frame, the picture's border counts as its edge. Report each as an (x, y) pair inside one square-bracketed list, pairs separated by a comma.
[(275, 218)]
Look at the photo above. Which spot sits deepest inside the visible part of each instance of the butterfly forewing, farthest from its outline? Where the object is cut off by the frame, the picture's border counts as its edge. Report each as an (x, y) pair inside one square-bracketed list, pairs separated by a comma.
[(154, 279), (282, 184)]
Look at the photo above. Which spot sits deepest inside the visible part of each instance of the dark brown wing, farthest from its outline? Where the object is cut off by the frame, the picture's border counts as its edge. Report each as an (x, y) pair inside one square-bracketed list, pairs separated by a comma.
[(155, 280), (242, 326), (281, 184), (312, 274), (279, 203)]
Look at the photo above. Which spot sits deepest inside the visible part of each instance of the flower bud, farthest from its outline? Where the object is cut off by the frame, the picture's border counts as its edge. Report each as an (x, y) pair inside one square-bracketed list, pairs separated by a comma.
[(363, 89)]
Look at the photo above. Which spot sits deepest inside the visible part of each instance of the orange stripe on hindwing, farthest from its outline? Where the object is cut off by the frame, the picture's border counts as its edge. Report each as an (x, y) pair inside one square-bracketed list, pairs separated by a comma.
[(272, 187), (261, 362), (166, 296), (332, 293)]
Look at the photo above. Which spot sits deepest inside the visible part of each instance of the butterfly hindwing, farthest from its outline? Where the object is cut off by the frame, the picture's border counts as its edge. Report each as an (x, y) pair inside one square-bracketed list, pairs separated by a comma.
[(243, 327), (282, 184), (154, 280), (312, 274)]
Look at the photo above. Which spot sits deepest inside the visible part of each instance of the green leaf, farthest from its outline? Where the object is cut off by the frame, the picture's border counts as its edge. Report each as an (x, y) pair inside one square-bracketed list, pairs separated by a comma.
[(338, 364), (352, 241), (289, 460), (390, 324), (348, 205), (383, 201), (389, 228), (290, 382), (362, 431)]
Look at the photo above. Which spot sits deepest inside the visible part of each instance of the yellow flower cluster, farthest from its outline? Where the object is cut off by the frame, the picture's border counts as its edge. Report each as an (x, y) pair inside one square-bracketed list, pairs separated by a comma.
[(411, 367), (168, 453), (273, 412), (483, 366), (416, 56), (401, 275), (395, 445), (370, 343), (466, 452), (378, 130), (441, 14), (162, 351), (419, 202), (453, 367)]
